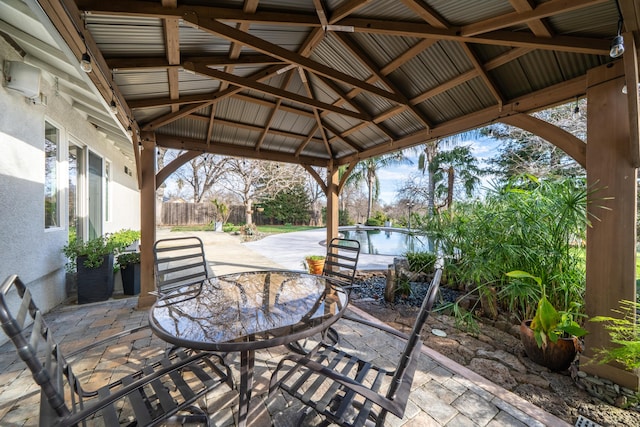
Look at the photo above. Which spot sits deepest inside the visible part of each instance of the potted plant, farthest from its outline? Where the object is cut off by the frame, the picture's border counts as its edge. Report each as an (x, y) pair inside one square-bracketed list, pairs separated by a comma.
[(129, 263), (93, 261), (315, 263), (551, 338)]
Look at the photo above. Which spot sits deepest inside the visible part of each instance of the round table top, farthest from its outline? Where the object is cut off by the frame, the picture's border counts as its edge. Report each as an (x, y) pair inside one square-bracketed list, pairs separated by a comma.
[(247, 311)]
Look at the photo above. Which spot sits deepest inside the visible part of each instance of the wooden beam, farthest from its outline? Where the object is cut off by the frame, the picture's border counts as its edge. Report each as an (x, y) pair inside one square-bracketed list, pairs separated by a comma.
[(584, 45), (276, 92), (201, 14), (544, 98), (215, 147), (174, 165), (218, 28), (543, 10), (573, 146), (138, 63)]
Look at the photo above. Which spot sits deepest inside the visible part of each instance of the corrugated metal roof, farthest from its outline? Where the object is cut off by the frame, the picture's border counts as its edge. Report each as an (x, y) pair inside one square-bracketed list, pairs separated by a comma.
[(384, 31)]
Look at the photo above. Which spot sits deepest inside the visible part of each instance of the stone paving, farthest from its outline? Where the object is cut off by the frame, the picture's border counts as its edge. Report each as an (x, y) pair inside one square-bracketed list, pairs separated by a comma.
[(444, 393)]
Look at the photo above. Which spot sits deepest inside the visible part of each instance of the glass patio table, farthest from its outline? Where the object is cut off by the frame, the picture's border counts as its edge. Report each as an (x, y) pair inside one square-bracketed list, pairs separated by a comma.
[(245, 312)]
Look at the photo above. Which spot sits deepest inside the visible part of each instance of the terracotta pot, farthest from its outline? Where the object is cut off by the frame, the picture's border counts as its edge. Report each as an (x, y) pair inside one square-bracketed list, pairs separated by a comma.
[(556, 356), (315, 266)]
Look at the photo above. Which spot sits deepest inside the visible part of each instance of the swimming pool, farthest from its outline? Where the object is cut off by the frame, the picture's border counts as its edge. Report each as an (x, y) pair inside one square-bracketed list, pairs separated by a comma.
[(387, 241)]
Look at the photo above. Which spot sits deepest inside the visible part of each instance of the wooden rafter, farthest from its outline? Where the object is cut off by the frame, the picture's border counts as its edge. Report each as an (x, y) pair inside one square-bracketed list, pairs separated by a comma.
[(485, 34)]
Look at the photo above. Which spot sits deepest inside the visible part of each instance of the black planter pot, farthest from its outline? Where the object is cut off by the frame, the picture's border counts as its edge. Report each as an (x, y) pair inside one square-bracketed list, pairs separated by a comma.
[(131, 279), (95, 284)]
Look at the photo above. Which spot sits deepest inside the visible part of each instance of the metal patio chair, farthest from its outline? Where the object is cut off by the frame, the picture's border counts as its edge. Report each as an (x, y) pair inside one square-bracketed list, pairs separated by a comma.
[(340, 268), (347, 390), (341, 261), (179, 262), (165, 390)]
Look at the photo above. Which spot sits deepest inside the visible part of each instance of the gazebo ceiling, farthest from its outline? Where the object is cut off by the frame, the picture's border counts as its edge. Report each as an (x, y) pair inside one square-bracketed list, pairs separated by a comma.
[(314, 81)]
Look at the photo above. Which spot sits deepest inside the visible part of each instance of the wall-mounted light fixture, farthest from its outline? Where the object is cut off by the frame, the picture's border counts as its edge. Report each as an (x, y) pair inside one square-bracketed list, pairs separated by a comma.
[(617, 44), (22, 78)]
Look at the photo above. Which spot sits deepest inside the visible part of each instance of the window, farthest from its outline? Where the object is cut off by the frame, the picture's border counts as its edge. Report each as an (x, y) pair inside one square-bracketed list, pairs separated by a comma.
[(76, 171), (51, 173), (107, 191), (95, 185)]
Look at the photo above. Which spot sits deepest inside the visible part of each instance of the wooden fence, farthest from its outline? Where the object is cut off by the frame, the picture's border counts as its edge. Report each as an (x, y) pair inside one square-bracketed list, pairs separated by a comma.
[(174, 213)]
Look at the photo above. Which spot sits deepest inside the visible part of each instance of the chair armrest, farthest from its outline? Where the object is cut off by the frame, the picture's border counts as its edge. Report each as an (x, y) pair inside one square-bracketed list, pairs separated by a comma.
[(381, 326), (347, 382)]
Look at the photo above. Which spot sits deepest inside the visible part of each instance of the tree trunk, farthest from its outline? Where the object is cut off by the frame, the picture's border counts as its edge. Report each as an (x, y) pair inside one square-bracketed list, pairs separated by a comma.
[(248, 212), (371, 183), (451, 177)]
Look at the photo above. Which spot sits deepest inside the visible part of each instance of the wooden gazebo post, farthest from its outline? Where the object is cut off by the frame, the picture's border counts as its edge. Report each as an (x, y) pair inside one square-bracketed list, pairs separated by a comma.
[(333, 205), (147, 218), (611, 240)]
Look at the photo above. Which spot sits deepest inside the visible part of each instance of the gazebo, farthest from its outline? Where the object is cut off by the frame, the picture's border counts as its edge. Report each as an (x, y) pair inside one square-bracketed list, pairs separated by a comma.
[(327, 83)]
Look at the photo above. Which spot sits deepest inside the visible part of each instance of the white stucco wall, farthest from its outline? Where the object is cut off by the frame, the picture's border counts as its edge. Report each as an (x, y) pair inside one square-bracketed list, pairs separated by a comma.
[(27, 248)]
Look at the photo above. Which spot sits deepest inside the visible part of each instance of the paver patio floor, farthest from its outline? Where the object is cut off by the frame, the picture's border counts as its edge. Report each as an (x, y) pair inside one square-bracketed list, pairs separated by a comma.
[(444, 393)]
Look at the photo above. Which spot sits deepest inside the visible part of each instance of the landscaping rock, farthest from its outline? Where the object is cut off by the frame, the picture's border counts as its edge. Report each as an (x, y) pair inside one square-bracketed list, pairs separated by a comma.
[(497, 354)]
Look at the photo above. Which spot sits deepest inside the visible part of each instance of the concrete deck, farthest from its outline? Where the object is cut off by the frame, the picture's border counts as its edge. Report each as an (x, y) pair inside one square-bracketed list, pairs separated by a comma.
[(444, 392)]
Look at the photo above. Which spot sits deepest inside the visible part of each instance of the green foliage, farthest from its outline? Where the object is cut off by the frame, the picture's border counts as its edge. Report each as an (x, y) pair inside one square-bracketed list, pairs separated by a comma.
[(623, 331), (126, 258), (421, 261), (548, 324), (377, 220), (291, 205), (403, 286), (315, 257), (343, 216), (228, 227), (532, 225), (96, 249)]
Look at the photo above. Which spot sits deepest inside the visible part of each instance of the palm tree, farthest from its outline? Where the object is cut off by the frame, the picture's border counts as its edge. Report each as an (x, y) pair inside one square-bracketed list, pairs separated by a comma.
[(429, 152), (367, 171), (448, 162)]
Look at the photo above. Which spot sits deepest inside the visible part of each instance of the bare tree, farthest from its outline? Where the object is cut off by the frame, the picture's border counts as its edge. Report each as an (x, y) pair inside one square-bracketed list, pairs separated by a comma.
[(253, 180), (199, 175)]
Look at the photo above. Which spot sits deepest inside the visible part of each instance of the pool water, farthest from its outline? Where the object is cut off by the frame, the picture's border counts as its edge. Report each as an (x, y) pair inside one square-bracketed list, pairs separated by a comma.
[(377, 241)]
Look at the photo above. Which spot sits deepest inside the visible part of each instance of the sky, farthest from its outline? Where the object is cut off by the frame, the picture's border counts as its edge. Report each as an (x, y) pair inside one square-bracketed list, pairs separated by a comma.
[(391, 178)]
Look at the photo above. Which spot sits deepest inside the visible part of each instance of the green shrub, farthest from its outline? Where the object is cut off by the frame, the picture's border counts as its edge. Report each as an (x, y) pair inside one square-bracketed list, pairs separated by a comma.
[(228, 227), (532, 225), (422, 262), (374, 222)]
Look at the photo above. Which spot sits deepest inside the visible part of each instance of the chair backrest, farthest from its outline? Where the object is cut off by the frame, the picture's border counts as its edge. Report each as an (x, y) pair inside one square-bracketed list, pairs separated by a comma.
[(38, 349), (179, 261), (400, 386), (341, 261)]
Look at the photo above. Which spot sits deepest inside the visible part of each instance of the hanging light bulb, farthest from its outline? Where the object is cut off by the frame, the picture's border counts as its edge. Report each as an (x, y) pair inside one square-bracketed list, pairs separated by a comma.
[(129, 131), (617, 44), (85, 63), (113, 107), (576, 110), (617, 47)]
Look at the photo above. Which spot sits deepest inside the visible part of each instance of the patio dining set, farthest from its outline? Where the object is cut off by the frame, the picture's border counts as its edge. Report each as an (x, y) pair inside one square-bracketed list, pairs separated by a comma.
[(203, 319)]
